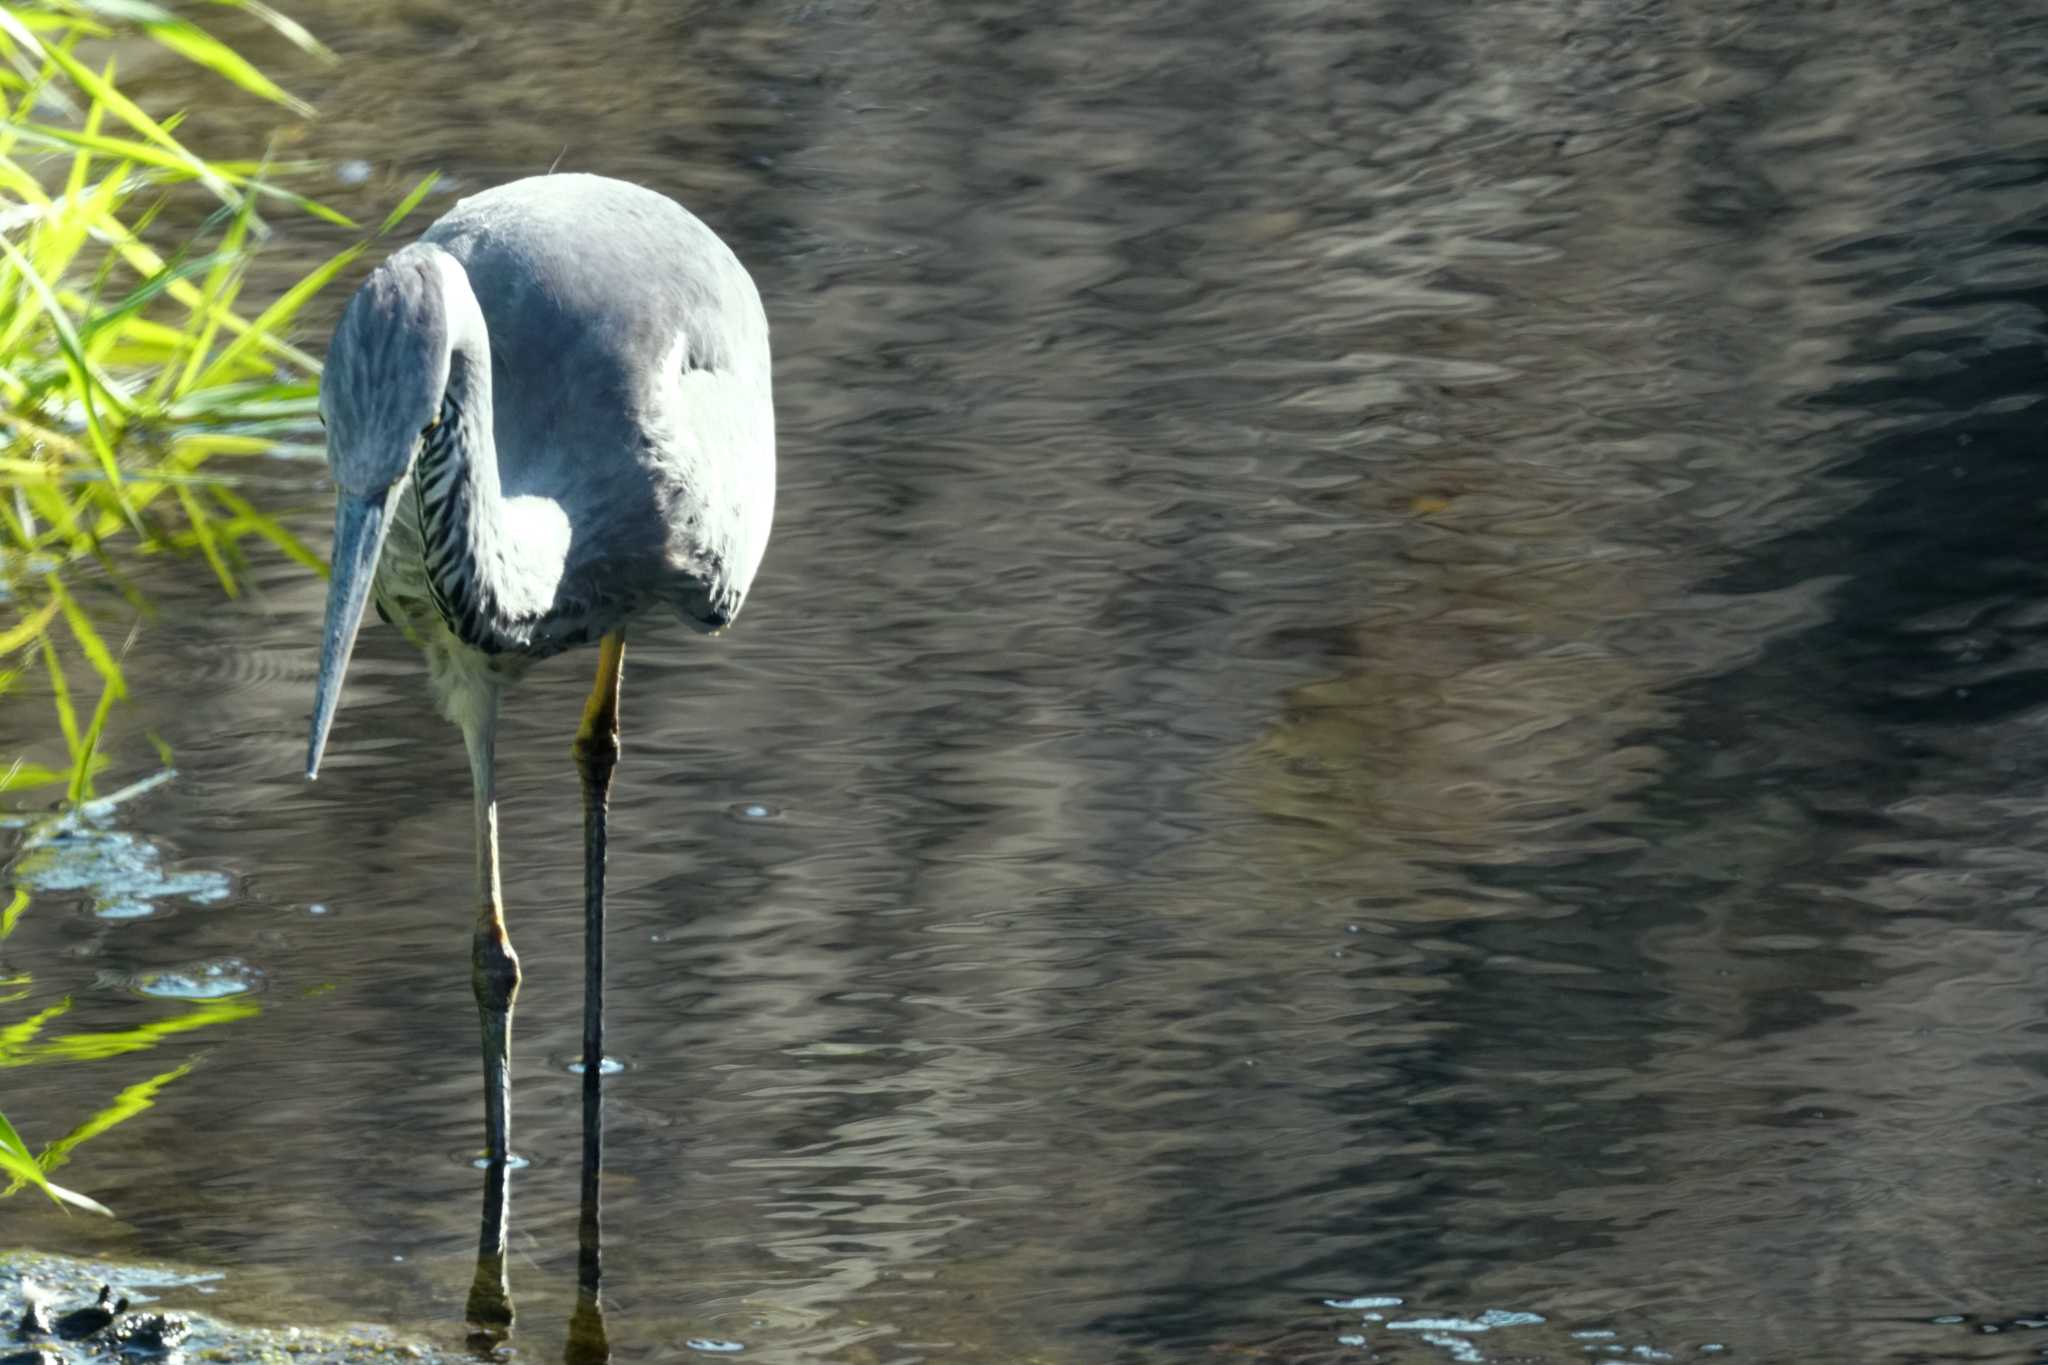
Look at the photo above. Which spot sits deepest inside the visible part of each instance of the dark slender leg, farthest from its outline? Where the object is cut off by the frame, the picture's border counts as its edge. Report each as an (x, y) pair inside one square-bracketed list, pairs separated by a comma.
[(597, 754), (494, 976)]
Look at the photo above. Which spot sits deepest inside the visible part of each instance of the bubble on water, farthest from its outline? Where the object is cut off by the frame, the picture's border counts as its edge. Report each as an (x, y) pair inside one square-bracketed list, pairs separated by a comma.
[(514, 1162), (1461, 1350), (316, 908), (714, 1346), (1366, 1301), (123, 874), (124, 910), (354, 171), (1595, 1334), (215, 980), (1351, 1339), (608, 1066), (752, 810), (1485, 1322)]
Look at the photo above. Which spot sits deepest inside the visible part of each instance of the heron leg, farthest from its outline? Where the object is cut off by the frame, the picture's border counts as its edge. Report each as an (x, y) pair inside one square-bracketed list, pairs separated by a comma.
[(494, 976), (597, 753)]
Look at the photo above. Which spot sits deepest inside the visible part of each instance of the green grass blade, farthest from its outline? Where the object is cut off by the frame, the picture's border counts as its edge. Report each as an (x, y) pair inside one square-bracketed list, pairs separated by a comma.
[(147, 293), (274, 318), (93, 1047), (144, 261), (409, 203), (303, 204), (293, 31), (15, 1037), (60, 695), (26, 1170), (270, 530), (27, 631), (88, 746), (86, 79), (196, 45), (96, 651), (91, 386), (209, 544), (22, 775), (172, 167), (81, 164), (123, 1107), (218, 291), (18, 31)]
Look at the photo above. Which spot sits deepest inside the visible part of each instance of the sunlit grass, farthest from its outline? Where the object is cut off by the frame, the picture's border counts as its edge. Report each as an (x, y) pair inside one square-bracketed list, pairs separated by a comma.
[(134, 375), (26, 1170), (129, 374)]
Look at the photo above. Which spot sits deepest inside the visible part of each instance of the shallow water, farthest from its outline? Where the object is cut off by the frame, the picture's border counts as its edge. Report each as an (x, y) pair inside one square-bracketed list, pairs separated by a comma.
[(1402, 660)]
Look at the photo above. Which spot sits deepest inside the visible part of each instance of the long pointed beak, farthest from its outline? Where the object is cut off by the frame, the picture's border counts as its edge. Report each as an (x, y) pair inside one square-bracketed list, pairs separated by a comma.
[(359, 527)]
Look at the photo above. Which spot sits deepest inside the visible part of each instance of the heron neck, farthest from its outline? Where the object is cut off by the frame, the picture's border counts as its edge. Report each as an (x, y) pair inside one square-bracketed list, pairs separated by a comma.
[(492, 577)]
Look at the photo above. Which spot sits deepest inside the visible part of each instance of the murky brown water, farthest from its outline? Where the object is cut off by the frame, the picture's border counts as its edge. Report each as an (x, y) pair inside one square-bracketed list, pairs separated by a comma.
[(1403, 657)]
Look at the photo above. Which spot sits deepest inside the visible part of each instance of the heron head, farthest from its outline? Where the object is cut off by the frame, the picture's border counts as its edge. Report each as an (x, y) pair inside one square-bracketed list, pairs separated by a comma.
[(385, 382), (387, 370)]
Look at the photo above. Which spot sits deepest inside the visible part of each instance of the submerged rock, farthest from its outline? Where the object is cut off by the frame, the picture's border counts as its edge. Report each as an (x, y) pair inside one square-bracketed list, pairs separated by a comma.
[(76, 1312), (35, 1312), (149, 1332), (96, 1316)]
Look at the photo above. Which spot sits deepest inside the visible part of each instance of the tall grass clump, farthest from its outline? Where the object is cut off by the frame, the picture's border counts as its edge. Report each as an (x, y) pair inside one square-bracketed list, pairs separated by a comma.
[(129, 369), (133, 374)]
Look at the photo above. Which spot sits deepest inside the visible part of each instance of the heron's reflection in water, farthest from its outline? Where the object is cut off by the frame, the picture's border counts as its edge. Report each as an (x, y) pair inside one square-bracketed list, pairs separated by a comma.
[(490, 1313), (588, 1344)]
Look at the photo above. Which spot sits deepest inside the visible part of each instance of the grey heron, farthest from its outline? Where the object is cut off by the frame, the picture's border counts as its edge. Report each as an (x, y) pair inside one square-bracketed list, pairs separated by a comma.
[(548, 416)]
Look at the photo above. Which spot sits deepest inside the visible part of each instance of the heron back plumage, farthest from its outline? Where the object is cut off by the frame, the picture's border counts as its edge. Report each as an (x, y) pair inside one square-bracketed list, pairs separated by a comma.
[(631, 387)]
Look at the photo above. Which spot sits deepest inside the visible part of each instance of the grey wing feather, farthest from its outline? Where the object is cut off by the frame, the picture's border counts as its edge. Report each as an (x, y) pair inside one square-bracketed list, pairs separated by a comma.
[(630, 373)]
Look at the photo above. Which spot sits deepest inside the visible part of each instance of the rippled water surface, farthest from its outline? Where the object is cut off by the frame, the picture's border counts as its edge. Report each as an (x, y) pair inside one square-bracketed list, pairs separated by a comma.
[(1395, 714)]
